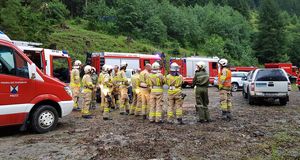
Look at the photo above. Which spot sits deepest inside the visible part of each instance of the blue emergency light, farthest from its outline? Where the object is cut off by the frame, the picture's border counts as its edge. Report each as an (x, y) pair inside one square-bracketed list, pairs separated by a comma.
[(64, 52)]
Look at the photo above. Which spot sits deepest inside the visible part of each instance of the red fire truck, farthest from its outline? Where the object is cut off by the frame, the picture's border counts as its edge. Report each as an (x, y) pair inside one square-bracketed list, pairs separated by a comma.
[(242, 69), (28, 97), (188, 67), (54, 63), (289, 68), (134, 60)]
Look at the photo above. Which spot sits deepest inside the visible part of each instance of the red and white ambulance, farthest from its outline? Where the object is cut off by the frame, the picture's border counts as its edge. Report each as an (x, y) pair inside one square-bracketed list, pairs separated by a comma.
[(134, 60), (54, 63), (28, 97), (188, 68)]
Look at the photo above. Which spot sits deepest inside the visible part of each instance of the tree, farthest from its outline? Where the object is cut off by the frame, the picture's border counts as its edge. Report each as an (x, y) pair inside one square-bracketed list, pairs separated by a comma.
[(271, 39), (155, 30)]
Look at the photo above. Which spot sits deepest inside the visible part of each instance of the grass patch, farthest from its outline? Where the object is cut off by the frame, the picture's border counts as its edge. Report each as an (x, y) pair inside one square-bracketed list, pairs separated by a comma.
[(73, 40)]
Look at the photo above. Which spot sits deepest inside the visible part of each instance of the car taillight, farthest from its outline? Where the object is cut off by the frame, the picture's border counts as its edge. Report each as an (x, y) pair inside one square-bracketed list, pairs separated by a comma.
[(289, 86), (252, 87)]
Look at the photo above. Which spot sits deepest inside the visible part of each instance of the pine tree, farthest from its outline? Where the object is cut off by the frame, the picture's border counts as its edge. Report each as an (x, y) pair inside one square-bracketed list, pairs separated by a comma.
[(271, 39)]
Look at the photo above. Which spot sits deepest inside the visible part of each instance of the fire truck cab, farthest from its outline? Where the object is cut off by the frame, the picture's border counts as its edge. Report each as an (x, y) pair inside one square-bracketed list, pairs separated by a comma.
[(188, 68), (54, 63), (134, 60), (28, 97)]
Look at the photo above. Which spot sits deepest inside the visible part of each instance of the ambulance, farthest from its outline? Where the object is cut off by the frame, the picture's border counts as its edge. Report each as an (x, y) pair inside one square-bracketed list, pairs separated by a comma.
[(28, 97)]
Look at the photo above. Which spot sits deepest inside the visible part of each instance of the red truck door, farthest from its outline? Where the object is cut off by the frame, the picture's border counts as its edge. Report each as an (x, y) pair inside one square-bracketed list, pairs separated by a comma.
[(16, 90)]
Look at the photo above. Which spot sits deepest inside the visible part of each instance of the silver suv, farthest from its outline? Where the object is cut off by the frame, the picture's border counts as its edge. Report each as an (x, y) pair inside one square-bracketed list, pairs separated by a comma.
[(267, 83)]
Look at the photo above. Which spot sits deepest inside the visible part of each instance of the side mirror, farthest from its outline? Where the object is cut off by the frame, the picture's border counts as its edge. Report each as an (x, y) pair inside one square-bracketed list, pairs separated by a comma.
[(244, 78), (32, 71), (0, 66)]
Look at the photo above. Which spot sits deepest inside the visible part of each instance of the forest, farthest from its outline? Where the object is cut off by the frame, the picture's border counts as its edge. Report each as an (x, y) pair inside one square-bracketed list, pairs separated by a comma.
[(247, 32)]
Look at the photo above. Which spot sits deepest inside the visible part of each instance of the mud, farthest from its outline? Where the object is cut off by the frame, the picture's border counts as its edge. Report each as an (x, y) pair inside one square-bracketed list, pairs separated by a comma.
[(263, 131)]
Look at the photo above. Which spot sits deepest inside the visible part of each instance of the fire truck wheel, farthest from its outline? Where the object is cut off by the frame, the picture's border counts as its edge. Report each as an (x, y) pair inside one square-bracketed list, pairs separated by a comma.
[(44, 119)]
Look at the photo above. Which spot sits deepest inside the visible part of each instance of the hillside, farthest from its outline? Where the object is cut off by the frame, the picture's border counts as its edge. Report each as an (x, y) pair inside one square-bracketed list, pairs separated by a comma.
[(74, 36)]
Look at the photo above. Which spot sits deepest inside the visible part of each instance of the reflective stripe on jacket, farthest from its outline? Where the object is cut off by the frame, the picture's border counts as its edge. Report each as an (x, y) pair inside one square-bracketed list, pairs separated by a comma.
[(75, 78), (156, 82), (174, 83)]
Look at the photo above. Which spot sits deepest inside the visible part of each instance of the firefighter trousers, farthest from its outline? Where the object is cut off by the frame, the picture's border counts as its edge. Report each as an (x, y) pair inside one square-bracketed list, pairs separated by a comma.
[(107, 105), (135, 107), (75, 95), (87, 97), (145, 94), (202, 102), (156, 103), (225, 100), (124, 101), (175, 103)]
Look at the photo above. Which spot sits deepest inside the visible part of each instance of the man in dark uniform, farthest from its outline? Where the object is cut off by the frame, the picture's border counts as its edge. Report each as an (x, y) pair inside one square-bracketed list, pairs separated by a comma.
[(201, 81)]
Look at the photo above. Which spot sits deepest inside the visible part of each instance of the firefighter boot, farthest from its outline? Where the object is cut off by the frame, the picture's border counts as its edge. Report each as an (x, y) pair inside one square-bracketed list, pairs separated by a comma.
[(224, 115), (207, 115), (180, 121), (229, 116)]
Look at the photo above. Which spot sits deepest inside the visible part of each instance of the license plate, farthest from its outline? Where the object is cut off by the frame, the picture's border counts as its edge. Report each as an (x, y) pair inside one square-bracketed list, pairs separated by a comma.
[(261, 84), (271, 94)]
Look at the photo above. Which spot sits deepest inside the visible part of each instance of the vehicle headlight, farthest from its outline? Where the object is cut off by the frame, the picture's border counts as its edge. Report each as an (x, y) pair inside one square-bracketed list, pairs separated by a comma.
[(68, 90)]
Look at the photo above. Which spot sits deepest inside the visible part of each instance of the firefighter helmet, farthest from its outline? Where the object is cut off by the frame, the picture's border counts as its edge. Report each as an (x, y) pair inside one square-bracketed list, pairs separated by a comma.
[(155, 66), (223, 62), (201, 65), (87, 69), (77, 63), (108, 68), (123, 64), (174, 67), (94, 69)]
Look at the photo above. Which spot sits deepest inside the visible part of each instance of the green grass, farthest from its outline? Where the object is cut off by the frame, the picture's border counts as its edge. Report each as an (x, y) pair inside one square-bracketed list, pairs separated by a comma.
[(73, 40)]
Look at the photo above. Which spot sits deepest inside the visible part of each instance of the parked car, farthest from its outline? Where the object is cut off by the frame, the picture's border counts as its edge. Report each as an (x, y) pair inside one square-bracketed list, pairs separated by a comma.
[(267, 83), (236, 80)]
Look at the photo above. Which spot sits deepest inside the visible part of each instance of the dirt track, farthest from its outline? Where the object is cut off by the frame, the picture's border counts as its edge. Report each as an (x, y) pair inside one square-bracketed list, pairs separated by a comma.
[(257, 132)]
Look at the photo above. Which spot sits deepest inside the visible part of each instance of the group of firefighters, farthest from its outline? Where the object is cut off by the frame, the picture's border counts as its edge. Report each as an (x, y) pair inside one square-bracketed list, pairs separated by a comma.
[(147, 91)]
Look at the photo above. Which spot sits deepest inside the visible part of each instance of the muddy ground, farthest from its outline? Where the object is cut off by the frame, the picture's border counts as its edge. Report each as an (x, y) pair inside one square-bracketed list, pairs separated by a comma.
[(265, 131)]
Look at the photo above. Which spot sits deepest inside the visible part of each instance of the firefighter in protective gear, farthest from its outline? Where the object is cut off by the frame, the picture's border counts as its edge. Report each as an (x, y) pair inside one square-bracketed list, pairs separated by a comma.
[(123, 84), (175, 101), (201, 82), (225, 89), (156, 81), (145, 90), (88, 88), (75, 83), (135, 107), (107, 90), (100, 85), (94, 77), (116, 88)]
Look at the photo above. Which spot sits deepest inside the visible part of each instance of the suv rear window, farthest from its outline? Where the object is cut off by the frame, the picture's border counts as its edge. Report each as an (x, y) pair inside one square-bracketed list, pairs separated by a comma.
[(270, 75)]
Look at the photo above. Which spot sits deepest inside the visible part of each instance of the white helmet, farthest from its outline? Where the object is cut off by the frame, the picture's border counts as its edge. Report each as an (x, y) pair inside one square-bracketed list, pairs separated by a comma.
[(201, 65), (108, 68), (174, 67), (87, 69), (123, 64), (77, 63), (223, 62), (94, 69), (155, 66)]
